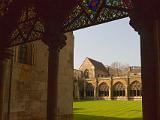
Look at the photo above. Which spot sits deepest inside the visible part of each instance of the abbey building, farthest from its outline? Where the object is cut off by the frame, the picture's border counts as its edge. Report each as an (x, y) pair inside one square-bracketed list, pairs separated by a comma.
[(93, 80)]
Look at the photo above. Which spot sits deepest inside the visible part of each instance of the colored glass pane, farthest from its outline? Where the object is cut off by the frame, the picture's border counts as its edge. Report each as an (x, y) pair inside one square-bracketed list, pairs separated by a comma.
[(93, 12)]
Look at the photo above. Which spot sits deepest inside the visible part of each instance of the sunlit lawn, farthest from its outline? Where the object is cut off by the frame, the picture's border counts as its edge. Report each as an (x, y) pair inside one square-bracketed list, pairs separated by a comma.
[(108, 110)]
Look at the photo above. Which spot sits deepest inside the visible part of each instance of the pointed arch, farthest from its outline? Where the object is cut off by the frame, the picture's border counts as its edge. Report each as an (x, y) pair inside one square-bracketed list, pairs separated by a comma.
[(118, 89), (135, 89), (89, 90), (103, 90), (86, 73)]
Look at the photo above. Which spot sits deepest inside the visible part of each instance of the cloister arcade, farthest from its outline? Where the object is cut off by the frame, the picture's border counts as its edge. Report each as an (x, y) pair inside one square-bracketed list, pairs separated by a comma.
[(111, 88)]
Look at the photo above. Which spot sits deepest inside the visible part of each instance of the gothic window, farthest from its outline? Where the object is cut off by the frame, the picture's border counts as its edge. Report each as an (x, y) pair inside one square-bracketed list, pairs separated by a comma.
[(135, 89), (89, 90), (25, 54), (86, 73), (103, 90), (118, 89)]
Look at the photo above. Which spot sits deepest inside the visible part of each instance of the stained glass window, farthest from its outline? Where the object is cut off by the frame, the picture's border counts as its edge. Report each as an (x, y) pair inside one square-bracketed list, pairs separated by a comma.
[(93, 12)]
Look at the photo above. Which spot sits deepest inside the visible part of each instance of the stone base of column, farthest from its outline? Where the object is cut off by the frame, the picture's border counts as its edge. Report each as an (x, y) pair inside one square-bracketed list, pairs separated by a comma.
[(64, 117)]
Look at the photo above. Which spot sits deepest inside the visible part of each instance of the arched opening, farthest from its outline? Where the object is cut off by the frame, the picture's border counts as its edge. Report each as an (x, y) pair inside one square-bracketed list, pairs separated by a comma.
[(86, 46), (135, 89), (103, 90), (86, 73), (118, 90), (89, 90)]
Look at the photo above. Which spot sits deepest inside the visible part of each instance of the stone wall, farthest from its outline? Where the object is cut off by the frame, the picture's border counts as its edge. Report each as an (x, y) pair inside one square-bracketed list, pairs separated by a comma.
[(29, 84), (89, 66)]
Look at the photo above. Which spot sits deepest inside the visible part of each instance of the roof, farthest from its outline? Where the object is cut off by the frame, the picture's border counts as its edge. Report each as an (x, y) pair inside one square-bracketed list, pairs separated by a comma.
[(98, 65)]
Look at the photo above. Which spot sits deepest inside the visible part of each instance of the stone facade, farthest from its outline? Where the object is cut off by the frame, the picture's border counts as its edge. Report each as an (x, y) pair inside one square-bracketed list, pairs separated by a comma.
[(128, 86), (28, 82), (92, 69)]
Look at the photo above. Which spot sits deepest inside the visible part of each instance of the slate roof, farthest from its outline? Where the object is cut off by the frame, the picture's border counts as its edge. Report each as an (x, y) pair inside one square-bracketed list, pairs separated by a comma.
[(98, 65)]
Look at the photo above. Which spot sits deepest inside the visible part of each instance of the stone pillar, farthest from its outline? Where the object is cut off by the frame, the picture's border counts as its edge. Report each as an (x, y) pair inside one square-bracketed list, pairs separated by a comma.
[(95, 92), (5, 72), (146, 21), (55, 41), (52, 83), (128, 87), (150, 72), (97, 88), (126, 92), (84, 88), (77, 90), (110, 88)]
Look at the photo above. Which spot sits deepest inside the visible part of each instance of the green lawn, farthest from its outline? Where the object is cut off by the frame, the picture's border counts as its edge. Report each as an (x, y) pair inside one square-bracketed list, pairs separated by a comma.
[(108, 110)]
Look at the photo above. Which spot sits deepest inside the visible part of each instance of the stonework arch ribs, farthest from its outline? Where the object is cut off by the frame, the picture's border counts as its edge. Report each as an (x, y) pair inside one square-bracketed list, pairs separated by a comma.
[(119, 89), (135, 88), (103, 89)]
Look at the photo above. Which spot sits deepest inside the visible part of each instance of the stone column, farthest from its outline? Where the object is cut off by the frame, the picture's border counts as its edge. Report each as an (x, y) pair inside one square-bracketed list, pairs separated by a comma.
[(146, 21), (128, 87), (55, 41), (84, 88), (95, 93), (97, 88), (52, 83), (110, 88), (126, 92), (150, 72), (77, 90), (5, 55)]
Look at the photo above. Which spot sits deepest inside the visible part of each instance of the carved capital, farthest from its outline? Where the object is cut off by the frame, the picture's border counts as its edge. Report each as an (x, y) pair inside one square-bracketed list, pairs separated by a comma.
[(142, 15), (56, 41)]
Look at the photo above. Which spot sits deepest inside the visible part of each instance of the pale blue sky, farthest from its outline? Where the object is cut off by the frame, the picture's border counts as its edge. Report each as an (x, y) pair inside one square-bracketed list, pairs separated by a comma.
[(107, 43)]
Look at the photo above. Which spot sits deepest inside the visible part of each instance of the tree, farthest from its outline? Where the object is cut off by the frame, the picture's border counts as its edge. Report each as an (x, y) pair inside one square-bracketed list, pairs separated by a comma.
[(119, 69)]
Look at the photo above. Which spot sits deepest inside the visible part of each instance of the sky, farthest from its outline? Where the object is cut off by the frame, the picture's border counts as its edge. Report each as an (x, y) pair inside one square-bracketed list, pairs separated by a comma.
[(107, 43)]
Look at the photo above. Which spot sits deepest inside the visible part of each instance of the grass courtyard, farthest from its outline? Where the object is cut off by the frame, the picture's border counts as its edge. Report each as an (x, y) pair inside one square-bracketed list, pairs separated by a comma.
[(107, 110)]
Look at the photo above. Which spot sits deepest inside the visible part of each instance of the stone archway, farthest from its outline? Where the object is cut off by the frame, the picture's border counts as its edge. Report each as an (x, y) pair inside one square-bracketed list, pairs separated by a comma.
[(89, 91), (103, 90), (135, 89), (118, 90)]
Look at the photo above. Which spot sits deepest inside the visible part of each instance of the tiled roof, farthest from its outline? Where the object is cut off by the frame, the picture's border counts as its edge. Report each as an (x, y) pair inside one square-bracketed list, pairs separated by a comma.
[(98, 65)]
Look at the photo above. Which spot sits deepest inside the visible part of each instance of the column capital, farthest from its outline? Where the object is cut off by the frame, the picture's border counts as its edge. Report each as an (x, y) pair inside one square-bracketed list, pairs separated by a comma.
[(53, 36), (56, 41), (143, 14)]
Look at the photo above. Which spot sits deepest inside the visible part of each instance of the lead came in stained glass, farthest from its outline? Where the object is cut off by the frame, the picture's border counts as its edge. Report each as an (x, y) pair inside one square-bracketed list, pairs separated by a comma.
[(93, 4), (93, 12)]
